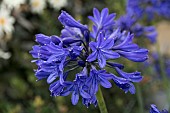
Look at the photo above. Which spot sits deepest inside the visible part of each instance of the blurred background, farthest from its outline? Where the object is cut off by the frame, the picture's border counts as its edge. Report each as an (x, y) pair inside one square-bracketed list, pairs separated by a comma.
[(20, 20)]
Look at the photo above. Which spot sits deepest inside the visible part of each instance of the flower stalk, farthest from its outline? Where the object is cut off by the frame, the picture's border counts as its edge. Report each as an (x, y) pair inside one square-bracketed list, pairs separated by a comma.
[(166, 84), (101, 102), (139, 98)]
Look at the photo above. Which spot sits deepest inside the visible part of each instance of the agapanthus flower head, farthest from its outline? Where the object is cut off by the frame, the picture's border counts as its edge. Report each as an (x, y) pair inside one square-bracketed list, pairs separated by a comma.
[(90, 52), (154, 109), (126, 21), (130, 22), (149, 32), (164, 9), (145, 7), (149, 8)]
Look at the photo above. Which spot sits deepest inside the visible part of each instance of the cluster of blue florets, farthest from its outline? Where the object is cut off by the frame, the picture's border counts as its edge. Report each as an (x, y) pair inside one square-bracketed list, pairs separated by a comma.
[(137, 10), (130, 23), (149, 8), (88, 53)]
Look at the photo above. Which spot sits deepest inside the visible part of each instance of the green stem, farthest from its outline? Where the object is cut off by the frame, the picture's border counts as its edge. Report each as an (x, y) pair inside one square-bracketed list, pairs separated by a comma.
[(101, 102), (166, 84), (139, 98), (162, 66)]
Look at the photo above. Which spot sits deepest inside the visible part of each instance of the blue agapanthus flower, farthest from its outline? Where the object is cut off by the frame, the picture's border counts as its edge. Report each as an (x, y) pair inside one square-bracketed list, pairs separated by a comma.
[(164, 8), (130, 22), (154, 109), (149, 8), (88, 53), (143, 9)]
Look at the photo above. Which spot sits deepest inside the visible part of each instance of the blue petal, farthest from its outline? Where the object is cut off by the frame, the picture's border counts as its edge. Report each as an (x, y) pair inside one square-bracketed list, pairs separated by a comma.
[(68, 20), (48, 67), (74, 98), (93, 82), (94, 86), (132, 89), (109, 54), (109, 19), (113, 64), (134, 77), (126, 41), (54, 85), (56, 88), (55, 57), (65, 93), (88, 81), (96, 14), (93, 34), (93, 19), (93, 46), (52, 77), (54, 48), (129, 47), (106, 76), (61, 79), (35, 51), (105, 83), (71, 32), (136, 56), (84, 94), (101, 60), (41, 74), (61, 66), (119, 80), (108, 44), (114, 35), (154, 109), (152, 36), (124, 84), (100, 39), (70, 40), (92, 56), (42, 39), (55, 39), (104, 14)]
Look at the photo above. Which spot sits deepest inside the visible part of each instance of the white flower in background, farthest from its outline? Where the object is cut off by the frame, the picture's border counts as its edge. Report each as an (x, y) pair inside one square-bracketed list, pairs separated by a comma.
[(37, 6), (6, 21), (58, 4), (13, 3), (4, 55)]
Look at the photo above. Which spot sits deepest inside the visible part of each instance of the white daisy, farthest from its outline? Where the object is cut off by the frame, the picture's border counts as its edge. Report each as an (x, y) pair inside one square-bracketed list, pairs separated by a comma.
[(13, 3), (37, 6), (58, 4), (4, 55), (6, 22)]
